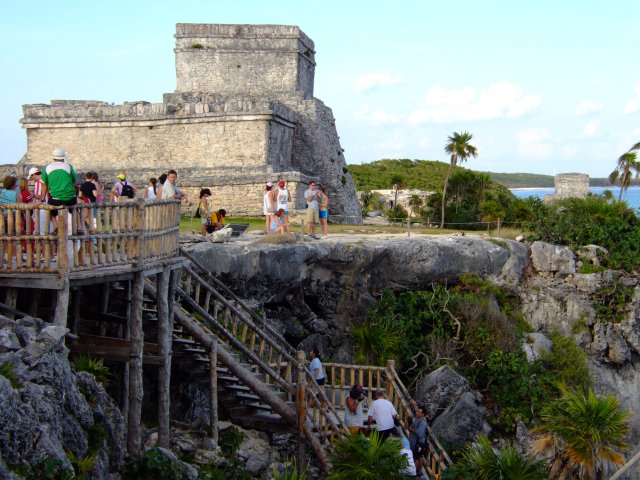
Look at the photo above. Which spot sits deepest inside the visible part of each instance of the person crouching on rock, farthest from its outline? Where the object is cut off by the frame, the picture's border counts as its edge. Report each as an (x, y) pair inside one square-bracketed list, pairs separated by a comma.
[(279, 223)]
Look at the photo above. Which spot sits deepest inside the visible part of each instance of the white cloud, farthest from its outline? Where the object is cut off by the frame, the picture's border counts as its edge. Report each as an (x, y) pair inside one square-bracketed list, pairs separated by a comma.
[(633, 105), (569, 150), (591, 128), (376, 117), (587, 107), (533, 142), (396, 141), (372, 81), (500, 100), (424, 143)]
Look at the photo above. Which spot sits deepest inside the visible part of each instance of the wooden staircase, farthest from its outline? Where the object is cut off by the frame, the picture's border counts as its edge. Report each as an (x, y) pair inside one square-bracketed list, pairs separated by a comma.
[(259, 379)]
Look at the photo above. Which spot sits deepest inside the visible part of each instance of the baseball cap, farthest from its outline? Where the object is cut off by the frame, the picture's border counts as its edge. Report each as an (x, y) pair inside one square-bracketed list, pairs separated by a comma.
[(33, 170), (281, 183), (122, 176), (269, 184)]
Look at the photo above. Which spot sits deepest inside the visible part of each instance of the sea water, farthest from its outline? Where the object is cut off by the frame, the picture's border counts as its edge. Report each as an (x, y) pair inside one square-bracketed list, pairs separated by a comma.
[(631, 195)]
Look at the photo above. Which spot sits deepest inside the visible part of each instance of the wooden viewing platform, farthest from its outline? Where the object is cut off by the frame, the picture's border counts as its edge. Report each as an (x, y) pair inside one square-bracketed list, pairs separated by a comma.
[(94, 243)]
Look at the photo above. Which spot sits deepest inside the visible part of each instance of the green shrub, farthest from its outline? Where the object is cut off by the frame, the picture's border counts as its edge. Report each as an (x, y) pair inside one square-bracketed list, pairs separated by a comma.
[(360, 458), (567, 363), (197, 46), (153, 465), (230, 439), (481, 462), (7, 371), (49, 469), (591, 220), (81, 466), (612, 300), (94, 366), (290, 473), (233, 471)]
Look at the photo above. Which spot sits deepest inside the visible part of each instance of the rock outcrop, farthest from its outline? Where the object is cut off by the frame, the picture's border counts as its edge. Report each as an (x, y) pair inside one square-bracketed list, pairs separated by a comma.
[(47, 411)]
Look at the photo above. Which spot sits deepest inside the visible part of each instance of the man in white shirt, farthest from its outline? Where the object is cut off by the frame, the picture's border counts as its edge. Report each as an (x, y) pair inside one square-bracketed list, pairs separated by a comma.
[(169, 188), (384, 413)]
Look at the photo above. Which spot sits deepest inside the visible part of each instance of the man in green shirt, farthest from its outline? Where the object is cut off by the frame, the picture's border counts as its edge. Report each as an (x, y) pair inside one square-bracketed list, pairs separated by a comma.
[(58, 179)]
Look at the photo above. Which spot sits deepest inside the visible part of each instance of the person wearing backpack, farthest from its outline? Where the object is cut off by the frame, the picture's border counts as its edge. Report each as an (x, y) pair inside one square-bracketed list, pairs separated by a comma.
[(122, 190)]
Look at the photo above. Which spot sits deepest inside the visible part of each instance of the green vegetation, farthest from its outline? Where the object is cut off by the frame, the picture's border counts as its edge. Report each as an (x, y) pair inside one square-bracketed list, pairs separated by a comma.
[(582, 433), (7, 371), (231, 471), (582, 221), (197, 46), (81, 466), (45, 469), (359, 458), (460, 149), (480, 462), (627, 165), (153, 465), (612, 300), (230, 440), (290, 473), (94, 366), (477, 328)]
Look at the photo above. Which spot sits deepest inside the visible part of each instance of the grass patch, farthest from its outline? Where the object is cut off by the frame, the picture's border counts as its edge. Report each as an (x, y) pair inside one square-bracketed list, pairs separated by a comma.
[(277, 239), (6, 370), (94, 366)]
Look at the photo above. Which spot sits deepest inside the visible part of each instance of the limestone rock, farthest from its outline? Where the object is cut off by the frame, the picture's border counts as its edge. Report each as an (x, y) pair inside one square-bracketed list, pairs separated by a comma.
[(554, 304), (461, 423), (587, 282), (592, 253), (534, 345), (9, 341), (48, 339), (553, 259), (440, 389), (609, 344)]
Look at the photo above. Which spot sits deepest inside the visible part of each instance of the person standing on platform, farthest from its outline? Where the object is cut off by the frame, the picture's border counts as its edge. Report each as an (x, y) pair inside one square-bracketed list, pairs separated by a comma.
[(312, 196), (384, 413), (58, 180)]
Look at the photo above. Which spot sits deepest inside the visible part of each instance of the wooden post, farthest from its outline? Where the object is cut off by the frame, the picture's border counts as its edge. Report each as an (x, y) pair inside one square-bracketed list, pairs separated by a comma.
[(75, 309), (389, 387), (499, 224), (104, 306), (62, 296), (408, 227), (213, 390), (35, 294), (134, 438), (301, 407), (164, 350), (10, 299)]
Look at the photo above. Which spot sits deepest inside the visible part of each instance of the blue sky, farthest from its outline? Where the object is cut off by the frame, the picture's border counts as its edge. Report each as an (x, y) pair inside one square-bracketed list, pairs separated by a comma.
[(544, 86)]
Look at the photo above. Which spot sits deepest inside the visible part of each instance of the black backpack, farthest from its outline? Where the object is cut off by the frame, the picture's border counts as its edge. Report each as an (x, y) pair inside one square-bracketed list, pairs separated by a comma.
[(127, 190)]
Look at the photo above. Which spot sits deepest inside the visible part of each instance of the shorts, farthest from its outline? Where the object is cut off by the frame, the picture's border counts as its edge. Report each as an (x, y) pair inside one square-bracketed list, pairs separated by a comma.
[(313, 215), (321, 381), (323, 214), (205, 220), (61, 203)]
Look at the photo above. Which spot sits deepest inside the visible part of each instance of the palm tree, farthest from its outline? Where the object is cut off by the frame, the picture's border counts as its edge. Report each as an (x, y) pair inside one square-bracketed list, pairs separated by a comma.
[(460, 150), (415, 202), (361, 458), (626, 163), (635, 147), (582, 432)]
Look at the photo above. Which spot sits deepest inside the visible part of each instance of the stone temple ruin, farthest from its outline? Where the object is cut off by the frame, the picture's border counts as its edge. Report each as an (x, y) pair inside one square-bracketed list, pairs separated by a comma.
[(569, 185), (243, 113)]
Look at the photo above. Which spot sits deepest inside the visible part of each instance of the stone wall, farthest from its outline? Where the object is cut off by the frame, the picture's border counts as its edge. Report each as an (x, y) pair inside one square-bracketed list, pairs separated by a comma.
[(569, 185), (243, 114), (246, 59)]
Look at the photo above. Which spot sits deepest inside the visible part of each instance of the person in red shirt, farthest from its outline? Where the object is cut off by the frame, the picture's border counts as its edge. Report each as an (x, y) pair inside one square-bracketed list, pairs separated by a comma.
[(25, 194)]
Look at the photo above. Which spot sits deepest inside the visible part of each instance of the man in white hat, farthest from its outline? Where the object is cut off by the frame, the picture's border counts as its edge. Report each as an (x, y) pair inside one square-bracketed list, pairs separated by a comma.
[(35, 175), (58, 179)]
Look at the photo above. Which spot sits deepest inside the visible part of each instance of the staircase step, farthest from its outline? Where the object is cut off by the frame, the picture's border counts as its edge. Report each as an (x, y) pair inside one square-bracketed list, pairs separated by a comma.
[(227, 379), (237, 388), (247, 396), (259, 406)]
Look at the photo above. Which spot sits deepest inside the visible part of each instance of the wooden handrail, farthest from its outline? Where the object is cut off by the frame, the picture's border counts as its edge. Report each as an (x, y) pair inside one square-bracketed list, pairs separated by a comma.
[(89, 235)]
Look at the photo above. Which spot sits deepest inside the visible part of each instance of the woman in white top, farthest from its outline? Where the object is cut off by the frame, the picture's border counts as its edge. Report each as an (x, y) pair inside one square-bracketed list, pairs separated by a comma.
[(150, 192), (267, 205)]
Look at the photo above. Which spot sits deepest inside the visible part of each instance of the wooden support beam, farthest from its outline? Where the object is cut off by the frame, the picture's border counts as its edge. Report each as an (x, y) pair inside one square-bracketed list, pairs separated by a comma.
[(34, 295), (11, 300), (301, 407), (213, 390), (76, 295), (165, 328), (62, 304), (136, 335)]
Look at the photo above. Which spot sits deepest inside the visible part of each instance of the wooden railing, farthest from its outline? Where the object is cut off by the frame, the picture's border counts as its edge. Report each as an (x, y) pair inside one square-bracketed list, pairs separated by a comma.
[(340, 379), (262, 347), (246, 331), (88, 236)]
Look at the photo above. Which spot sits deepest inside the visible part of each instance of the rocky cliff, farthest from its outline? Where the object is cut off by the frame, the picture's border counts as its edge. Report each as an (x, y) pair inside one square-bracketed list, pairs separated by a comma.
[(316, 290)]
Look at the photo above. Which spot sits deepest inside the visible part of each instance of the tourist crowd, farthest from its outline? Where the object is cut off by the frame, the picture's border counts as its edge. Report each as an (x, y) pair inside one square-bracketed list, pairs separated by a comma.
[(57, 184)]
